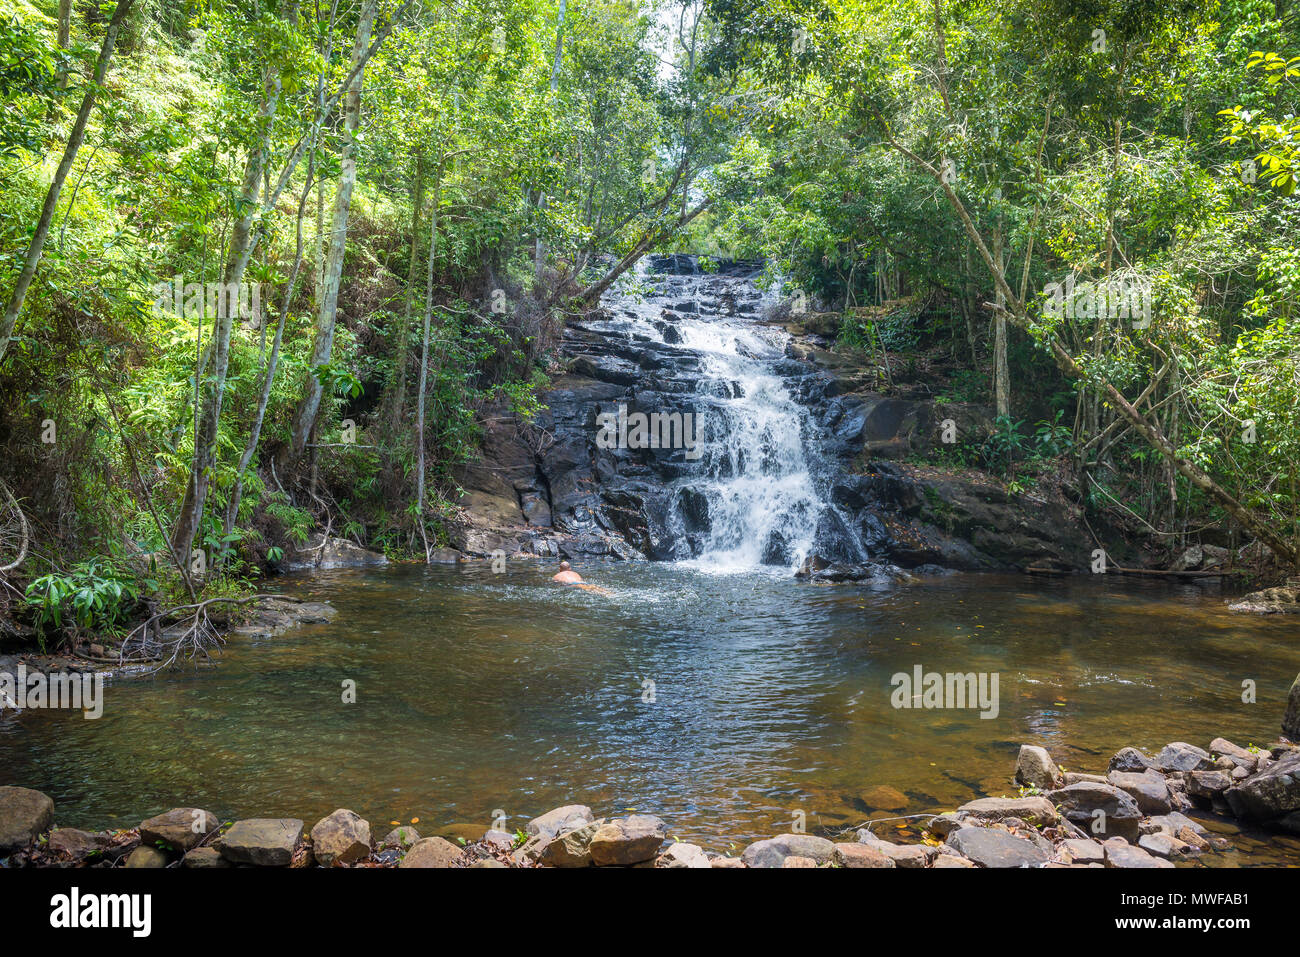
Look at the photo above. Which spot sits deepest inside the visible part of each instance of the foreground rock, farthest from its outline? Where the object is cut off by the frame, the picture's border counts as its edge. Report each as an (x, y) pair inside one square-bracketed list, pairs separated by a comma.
[(1035, 768), (993, 847), (627, 841), (265, 842), (179, 829), (432, 852), (1101, 809), (773, 851), (24, 815), (341, 838), (1271, 793)]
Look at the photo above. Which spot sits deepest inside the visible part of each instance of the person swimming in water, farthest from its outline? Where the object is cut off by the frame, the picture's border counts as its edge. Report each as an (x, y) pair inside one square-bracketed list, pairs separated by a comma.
[(567, 576)]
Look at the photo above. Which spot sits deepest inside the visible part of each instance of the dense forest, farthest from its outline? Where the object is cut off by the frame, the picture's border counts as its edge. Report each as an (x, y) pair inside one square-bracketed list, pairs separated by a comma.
[(268, 264)]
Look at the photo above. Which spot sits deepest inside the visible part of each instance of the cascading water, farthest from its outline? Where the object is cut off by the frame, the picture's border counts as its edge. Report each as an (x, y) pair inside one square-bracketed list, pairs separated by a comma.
[(749, 496)]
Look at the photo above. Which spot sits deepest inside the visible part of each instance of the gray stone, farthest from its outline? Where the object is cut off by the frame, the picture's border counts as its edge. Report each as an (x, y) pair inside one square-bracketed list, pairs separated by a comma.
[(941, 824), (1035, 768), (489, 862), (1075, 777), (772, 851), (994, 847), (1120, 853), (431, 852), (500, 838), (179, 829), (1081, 802), (1173, 822), (266, 842), (1036, 810), (910, 856), (1166, 846), (1181, 756), (1269, 793), (561, 819), (341, 838), (1129, 759), (24, 815), (1208, 784), (629, 840), (1148, 789), (951, 860)]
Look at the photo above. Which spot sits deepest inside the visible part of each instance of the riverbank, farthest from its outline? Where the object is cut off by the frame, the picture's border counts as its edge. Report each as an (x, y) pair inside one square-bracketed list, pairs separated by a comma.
[(1129, 815)]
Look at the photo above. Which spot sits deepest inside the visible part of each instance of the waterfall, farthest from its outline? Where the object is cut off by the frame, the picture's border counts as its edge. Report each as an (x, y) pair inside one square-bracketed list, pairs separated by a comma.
[(750, 496)]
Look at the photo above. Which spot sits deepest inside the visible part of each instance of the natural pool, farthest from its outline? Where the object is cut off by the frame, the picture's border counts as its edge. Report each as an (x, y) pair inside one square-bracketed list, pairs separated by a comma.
[(477, 692)]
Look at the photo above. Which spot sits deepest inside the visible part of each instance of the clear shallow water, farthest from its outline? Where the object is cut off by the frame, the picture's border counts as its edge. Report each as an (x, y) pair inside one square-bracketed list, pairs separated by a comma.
[(478, 692)]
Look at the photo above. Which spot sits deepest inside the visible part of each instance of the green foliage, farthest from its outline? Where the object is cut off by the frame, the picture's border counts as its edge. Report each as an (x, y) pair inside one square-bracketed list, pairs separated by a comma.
[(97, 594)]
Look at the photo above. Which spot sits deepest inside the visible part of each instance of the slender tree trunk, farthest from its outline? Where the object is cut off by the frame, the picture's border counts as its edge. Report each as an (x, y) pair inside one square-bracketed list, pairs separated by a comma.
[(424, 364), (539, 249), (37, 247), (323, 343), (397, 392), (241, 249), (1001, 376)]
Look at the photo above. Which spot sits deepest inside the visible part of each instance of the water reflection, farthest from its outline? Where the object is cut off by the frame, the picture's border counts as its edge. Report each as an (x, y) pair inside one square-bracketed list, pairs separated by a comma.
[(477, 692)]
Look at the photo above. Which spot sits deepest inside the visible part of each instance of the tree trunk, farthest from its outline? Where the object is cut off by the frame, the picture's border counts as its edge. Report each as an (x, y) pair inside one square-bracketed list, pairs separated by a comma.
[(424, 364), (397, 391), (539, 249), (323, 343), (1001, 377), (78, 134), (241, 250)]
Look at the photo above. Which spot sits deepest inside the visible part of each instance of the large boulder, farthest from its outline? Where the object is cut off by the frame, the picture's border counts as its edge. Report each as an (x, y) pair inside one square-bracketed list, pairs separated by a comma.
[(994, 847), (266, 842), (431, 852), (24, 815), (341, 838), (1035, 768), (1035, 810), (773, 851), (1270, 793), (1148, 789), (180, 828), (561, 819), (1100, 809), (626, 841), (1129, 759)]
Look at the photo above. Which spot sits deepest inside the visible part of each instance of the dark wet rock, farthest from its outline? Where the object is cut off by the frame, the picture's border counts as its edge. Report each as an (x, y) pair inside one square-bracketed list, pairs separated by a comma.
[(1270, 793), (1100, 809), (1148, 789), (994, 847), (1129, 759), (1208, 784), (265, 842), (1084, 851), (179, 829), (773, 851), (24, 815)]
